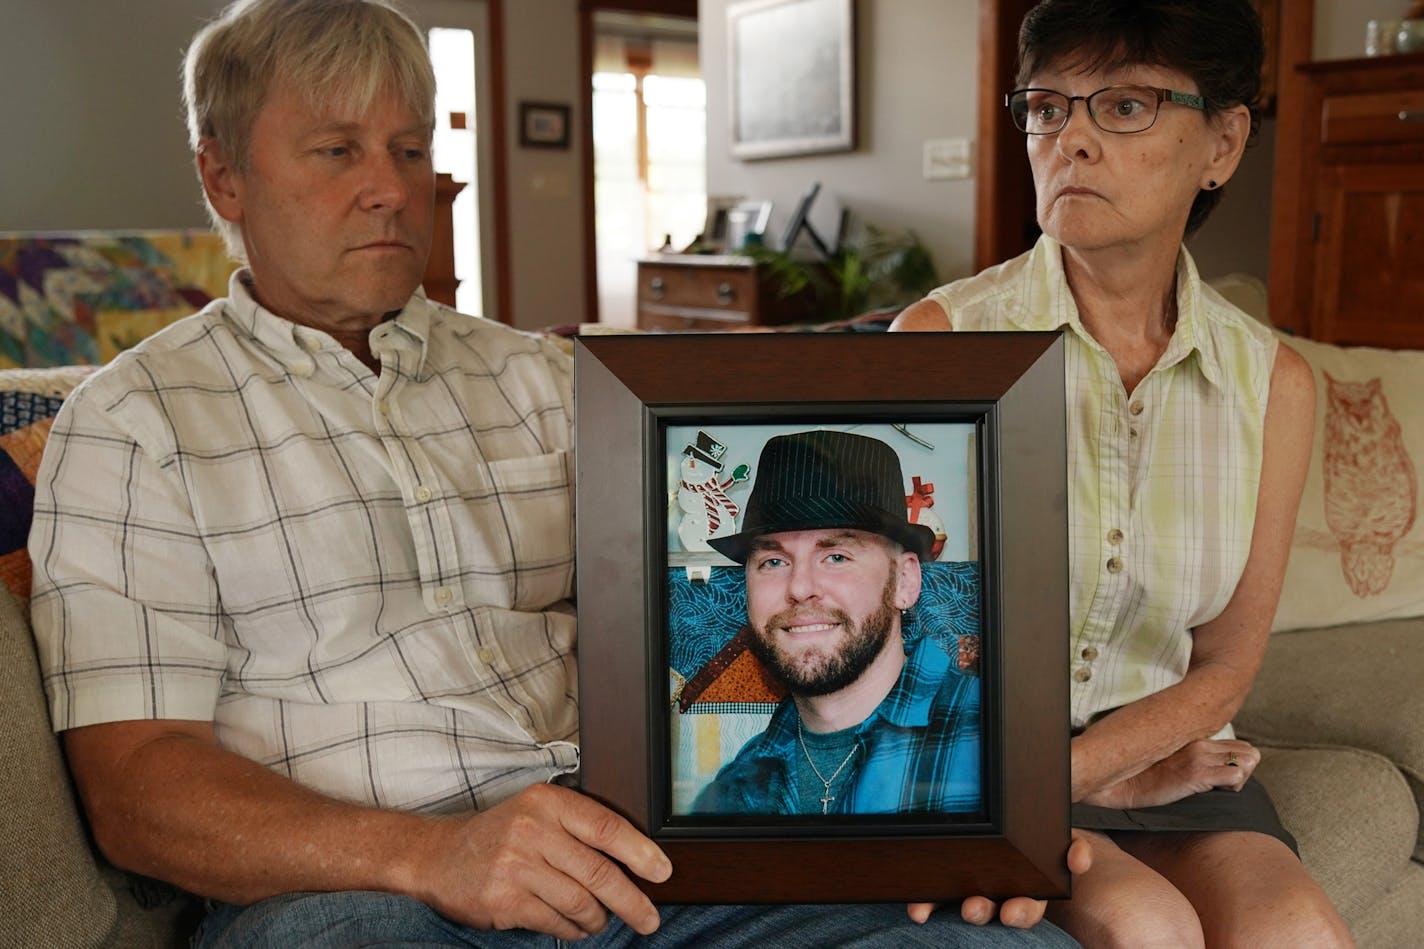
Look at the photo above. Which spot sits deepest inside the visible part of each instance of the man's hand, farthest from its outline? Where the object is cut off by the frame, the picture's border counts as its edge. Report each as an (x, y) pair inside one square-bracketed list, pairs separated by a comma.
[(1195, 767), (547, 859), (1020, 912)]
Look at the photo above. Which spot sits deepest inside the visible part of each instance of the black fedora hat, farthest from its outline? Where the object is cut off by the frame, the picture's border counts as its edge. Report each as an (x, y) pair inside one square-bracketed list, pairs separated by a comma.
[(824, 479)]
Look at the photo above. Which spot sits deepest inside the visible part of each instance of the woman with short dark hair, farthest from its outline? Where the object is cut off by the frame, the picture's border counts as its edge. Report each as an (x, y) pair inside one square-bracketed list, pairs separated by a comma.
[(1189, 434)]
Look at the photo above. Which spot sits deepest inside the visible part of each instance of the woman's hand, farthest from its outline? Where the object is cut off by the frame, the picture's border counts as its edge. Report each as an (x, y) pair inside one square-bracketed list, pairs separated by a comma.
[(1020, 912), (1196, 766)]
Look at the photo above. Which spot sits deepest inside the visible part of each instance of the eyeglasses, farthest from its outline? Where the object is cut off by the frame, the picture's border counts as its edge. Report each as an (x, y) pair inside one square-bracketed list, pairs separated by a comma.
[(1117, 109)]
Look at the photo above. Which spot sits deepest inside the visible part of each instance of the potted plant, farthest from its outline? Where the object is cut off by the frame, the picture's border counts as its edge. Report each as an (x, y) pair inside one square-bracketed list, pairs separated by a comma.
[(876, 269)]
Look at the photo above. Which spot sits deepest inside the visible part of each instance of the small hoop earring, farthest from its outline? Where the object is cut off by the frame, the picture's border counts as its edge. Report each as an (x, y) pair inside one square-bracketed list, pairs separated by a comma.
[(1211, 185)]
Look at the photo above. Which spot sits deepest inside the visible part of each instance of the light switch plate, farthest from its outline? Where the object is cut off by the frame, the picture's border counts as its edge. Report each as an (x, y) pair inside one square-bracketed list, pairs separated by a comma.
[(946, 158)]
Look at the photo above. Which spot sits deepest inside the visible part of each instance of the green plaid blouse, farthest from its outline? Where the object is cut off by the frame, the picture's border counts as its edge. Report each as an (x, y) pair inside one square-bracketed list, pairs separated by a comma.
[(1162, 481)]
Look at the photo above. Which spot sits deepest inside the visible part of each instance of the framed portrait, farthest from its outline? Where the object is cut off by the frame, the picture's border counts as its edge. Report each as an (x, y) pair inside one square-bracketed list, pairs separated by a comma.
[(745, 219), (715, 228), (725, 616), (543, 125), (792, 73)]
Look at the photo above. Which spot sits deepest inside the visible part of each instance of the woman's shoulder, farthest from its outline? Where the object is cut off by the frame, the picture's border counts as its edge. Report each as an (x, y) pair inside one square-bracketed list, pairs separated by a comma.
[(1222, 313), (1233, 328), (1238, 344), (924, 316), (983, 301)]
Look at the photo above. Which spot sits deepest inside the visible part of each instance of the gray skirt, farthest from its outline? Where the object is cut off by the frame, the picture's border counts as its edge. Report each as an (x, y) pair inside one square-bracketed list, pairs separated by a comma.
[(1218, 809)]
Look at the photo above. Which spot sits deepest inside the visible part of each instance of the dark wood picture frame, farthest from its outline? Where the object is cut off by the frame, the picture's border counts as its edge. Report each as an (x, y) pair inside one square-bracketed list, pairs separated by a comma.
[(791, 71), (628, 390), (544, 125)]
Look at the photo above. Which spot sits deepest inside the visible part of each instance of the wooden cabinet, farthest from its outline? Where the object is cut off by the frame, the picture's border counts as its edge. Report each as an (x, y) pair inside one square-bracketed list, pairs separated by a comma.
[(696, 292), (439, 280), (1348, 240)]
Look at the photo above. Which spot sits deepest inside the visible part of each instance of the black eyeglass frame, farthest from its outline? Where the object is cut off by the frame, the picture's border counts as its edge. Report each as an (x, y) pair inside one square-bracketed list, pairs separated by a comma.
[(1188, 99)]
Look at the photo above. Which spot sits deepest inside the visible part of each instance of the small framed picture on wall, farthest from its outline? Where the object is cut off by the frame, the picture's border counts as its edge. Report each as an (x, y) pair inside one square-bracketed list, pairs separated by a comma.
[(543, 125)]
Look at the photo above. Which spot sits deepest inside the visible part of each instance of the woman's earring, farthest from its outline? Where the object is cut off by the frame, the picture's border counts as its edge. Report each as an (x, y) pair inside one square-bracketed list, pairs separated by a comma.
[(1211, 185)]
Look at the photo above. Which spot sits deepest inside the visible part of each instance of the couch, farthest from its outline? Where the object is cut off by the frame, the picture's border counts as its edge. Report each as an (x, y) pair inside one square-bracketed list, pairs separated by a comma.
[(1338, 708)]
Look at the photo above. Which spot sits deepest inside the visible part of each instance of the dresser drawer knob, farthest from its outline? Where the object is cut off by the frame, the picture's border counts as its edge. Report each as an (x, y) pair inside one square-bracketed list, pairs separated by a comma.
[(1412, 115), (656, 287), (726, 293)]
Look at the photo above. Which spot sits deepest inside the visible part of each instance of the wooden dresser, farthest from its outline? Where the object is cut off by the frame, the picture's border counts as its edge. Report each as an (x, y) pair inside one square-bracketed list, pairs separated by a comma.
[(707, 292), (1347, 259)]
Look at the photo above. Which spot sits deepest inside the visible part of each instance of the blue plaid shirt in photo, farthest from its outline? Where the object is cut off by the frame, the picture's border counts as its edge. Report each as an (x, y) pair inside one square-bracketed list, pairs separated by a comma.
[(919, 751)]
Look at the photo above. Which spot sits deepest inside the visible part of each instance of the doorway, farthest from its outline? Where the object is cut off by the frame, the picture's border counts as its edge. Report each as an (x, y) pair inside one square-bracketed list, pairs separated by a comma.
[(465, 50), (649, 148)]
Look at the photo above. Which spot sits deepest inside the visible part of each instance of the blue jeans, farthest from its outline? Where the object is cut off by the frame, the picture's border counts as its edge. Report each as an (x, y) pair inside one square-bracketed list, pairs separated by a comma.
[(350, 920)]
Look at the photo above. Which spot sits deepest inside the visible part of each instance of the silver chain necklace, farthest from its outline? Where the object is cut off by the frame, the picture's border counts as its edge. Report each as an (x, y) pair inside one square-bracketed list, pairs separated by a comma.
[(827, 797)]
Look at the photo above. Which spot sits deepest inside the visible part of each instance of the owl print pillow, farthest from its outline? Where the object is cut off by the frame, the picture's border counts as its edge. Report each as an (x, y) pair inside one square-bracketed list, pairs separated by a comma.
[(1358, 552)]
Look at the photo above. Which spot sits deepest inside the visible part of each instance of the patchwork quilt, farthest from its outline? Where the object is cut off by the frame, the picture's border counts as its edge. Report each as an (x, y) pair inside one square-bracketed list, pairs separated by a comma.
[(82, 297)]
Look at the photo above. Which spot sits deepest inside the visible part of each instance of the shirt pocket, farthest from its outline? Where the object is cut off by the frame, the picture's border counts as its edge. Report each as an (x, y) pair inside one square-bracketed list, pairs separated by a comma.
[(521, 533)]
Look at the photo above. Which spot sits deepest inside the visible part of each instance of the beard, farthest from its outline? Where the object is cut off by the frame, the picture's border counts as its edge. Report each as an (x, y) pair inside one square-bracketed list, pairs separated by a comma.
[(820, 672)]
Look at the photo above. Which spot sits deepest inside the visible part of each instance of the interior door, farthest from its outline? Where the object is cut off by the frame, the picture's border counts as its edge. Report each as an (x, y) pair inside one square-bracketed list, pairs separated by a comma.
[(1005, 222), (476, 212)]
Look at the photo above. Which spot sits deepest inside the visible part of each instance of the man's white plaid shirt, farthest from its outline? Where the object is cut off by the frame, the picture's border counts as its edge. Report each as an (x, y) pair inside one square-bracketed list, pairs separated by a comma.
[(362, 581)]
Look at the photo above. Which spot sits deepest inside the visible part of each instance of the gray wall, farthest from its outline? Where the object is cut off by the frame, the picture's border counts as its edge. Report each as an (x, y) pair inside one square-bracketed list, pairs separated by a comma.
[(545, 196), (94, 133), (1340, 26)]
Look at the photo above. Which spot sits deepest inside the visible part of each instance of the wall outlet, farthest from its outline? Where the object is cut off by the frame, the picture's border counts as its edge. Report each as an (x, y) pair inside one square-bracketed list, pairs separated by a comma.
[(946, 158), (550, 184)]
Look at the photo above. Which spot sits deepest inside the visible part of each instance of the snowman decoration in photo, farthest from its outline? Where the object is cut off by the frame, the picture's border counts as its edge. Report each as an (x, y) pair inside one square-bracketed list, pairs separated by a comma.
[(707, 510)]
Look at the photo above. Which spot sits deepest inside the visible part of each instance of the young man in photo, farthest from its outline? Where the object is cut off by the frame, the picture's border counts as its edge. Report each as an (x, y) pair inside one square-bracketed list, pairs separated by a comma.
[(873, 722)]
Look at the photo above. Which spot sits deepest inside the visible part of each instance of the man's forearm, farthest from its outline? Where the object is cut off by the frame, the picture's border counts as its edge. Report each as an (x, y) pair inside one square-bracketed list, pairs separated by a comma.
[(171, 804)]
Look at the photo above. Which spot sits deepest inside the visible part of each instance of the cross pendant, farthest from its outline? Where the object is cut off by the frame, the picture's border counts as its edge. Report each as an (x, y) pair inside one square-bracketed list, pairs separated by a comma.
[(826, 800)]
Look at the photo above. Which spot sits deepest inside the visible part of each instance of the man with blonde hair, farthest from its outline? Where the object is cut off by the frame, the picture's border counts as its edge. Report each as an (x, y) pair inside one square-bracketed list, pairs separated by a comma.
[(303, 560)]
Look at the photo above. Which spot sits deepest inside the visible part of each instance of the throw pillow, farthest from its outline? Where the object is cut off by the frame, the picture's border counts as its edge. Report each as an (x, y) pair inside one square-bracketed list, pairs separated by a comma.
[(1358, 551), (29, 399)]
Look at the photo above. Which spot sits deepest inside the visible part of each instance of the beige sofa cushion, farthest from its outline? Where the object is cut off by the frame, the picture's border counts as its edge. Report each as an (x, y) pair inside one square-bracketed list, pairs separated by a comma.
[(53, 894), (1358, 855), (1357, 686), (1358, 552), (1393, 922)]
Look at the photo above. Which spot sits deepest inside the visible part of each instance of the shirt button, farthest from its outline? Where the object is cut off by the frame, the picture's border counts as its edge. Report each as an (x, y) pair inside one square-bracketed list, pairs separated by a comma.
[(1114, 536), (1136, 408), (1089, 653), (444, 595), (303, 367), (1114, 565), (1082, 674), (486, 655), (1132, 433), (422, 494)]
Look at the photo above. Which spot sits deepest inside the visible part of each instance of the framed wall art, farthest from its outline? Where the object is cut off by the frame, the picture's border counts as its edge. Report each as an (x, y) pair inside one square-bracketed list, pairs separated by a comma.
[(792, 72), (768, 520), (543, 125)]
